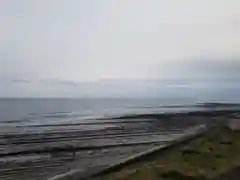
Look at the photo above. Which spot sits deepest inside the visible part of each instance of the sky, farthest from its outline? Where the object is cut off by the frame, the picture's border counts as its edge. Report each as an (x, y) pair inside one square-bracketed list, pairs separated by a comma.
[(79, 48)]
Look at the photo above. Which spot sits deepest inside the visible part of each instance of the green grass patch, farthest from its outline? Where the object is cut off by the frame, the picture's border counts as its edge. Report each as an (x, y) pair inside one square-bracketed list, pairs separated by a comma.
[(206, 157)]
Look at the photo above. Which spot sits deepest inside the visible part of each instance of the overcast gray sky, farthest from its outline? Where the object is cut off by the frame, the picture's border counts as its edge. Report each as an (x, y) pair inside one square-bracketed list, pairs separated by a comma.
[(63, 47)]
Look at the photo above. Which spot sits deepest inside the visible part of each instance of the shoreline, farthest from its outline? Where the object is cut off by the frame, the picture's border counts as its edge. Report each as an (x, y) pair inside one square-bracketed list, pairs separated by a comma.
[(208, 112), (122, 127), (59, 152)]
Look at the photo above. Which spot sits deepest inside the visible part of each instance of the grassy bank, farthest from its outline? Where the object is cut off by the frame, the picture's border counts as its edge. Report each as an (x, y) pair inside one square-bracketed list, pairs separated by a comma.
[(212, 156)]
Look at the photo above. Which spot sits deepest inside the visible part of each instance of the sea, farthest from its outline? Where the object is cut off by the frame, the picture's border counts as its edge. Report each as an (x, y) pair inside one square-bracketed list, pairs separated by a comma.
[(29, 114)]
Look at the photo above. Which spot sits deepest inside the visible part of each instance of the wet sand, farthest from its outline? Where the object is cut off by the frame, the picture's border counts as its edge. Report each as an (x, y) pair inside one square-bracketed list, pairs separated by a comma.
[(44, 154)]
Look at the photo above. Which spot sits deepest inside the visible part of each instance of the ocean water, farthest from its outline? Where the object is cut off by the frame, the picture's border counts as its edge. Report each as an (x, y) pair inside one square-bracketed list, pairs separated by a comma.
[(14, 110), (36, 112)]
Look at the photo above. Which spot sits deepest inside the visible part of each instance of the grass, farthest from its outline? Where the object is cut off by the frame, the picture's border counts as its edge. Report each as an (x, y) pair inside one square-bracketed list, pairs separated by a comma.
[(206, 157)]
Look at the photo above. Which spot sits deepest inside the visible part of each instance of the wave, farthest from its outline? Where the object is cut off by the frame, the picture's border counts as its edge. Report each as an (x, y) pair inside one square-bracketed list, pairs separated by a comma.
[(91, 117)]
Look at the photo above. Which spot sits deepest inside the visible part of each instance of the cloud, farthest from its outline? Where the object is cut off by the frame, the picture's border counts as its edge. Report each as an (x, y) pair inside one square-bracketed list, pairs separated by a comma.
[(75, 47), (57, 82), (225, 69), (193, 77), (20, 81)]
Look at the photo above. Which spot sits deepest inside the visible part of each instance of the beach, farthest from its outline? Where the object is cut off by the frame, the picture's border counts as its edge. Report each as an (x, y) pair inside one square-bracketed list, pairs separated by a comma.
[(44, 155)]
